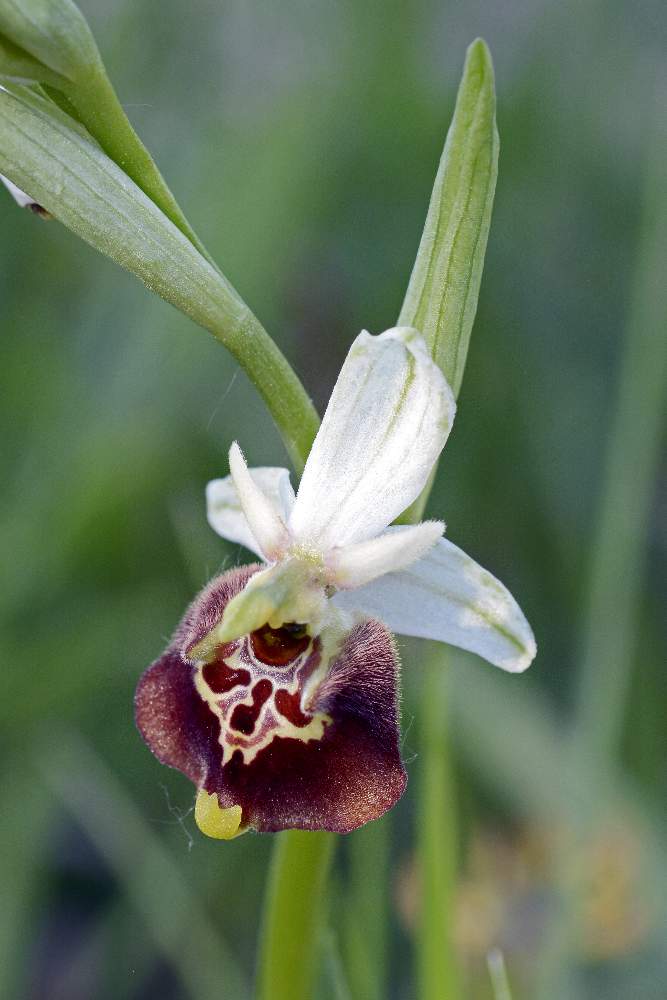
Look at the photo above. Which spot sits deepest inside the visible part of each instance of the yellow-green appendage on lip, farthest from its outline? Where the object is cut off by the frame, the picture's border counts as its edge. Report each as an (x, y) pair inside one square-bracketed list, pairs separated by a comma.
[(213, 821)]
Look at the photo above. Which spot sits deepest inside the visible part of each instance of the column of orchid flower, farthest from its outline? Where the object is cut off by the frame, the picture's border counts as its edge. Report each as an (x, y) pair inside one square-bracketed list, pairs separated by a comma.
[(278, 694)]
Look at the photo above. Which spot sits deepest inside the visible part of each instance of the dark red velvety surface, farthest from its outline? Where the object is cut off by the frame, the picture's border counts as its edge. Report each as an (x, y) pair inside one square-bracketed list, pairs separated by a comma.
[(351, 775)]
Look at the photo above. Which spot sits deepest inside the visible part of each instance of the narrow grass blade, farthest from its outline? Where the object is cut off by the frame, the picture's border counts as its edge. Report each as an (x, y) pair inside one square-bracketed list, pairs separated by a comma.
[(27, 820), (498, 974), (620, 540)]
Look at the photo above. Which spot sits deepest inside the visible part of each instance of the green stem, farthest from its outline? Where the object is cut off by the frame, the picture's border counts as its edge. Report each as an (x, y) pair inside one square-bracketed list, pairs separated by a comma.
[(294, 909), (437, 842)]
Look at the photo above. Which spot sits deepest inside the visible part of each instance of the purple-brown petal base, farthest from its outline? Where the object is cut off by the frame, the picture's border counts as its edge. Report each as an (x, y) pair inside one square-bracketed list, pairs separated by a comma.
[(240, 726)]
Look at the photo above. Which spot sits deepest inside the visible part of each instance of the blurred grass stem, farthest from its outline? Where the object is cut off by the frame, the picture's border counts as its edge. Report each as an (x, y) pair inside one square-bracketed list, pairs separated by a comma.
[(366, 909), (498, 973), (619, 548), (611, 623)]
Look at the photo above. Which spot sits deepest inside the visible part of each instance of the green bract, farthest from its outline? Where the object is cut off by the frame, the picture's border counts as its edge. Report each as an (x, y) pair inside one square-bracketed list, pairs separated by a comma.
[(48, 42), (441, 299), (54, 33)]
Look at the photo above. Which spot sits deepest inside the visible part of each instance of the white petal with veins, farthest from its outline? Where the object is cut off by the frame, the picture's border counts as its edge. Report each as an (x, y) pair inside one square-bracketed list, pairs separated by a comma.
[(395, 549), (264, 520), (386, 423), (447, 596), (224, 511)]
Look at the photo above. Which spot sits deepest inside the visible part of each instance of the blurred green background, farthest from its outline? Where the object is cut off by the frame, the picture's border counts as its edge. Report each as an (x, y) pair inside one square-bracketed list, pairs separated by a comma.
[(302, 140)]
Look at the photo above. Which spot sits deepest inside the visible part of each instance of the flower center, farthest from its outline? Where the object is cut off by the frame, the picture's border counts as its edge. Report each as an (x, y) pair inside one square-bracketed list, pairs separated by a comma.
[(279, 646)]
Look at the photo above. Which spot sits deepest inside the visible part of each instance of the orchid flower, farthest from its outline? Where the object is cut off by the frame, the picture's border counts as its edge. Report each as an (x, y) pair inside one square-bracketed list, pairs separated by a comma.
[(278, 695)]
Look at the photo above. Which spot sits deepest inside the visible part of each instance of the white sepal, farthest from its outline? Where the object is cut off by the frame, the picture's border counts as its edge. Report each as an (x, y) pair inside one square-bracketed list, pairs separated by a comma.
[(395, 549), (267, 526), (386, 423), (223, 507), (449, 597)]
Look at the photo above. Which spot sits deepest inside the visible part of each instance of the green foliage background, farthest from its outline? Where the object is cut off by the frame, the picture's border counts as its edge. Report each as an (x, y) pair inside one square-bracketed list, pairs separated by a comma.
[(302, 141)]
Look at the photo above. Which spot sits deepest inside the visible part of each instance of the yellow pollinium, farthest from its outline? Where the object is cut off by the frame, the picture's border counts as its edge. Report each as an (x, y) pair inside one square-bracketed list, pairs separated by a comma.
[(213, 821)]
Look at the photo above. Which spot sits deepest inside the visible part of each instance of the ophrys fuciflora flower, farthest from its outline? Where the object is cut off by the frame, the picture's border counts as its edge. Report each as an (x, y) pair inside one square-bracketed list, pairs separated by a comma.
[(278, 695)]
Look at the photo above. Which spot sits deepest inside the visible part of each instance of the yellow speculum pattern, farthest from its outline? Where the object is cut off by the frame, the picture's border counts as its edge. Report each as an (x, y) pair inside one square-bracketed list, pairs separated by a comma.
[(269, 722)]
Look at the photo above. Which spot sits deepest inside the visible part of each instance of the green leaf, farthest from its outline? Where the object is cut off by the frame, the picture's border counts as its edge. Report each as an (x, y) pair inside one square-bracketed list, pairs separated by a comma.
[(16, 64), (54, 32), (49, 42), (73, 179), (35, 96), (441, 299)]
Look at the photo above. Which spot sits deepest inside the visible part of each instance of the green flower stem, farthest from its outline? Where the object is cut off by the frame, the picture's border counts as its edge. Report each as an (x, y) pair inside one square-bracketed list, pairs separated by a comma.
[(437, 831), (335, 969), (47, 155), (294, 911), (436, 840)]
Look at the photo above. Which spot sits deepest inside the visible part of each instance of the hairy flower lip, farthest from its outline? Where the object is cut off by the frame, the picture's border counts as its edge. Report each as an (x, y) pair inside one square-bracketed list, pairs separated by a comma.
[(348, 774)]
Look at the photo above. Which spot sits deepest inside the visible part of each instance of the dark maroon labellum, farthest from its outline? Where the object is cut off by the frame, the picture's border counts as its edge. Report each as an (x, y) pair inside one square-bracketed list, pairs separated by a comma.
[(270, 724)]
